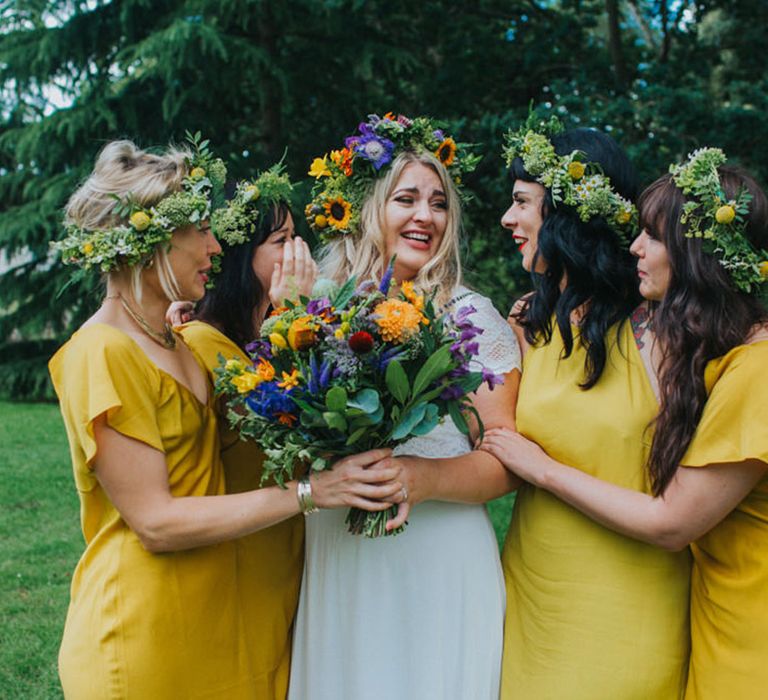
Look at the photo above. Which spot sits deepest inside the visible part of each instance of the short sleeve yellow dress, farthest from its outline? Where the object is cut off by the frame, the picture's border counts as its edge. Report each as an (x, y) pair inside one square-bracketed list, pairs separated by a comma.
[(269, 562), (729, 584), (143, 625), (591, 614)]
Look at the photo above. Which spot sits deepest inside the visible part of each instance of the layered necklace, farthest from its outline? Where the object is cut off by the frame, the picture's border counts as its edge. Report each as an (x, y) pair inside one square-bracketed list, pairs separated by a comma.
[(166, 337)]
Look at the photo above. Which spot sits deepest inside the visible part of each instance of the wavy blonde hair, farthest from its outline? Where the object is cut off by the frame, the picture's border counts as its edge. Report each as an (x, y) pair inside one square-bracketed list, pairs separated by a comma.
[(364, 255), (124, 169)]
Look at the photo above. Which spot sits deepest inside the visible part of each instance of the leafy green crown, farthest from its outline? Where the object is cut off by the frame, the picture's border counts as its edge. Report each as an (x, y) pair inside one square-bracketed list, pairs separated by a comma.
[(720, 222), (238, 220), (344, 176), (134, 241), (571, 179)]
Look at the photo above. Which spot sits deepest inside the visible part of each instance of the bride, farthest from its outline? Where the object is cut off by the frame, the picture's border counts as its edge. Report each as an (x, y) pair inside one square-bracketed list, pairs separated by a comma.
[(417, 615)]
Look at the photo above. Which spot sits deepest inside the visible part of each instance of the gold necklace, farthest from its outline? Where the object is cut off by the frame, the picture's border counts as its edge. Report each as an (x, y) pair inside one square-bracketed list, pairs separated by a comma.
[(166, 337)]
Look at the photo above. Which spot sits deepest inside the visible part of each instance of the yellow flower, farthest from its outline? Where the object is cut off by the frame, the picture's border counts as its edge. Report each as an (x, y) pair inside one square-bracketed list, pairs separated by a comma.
[(301, 334), (408, 292), (397, 320), (140, 220), (446, 151), (764, 269), (623, 217), (278, 341), (197, 173), (87, 248), (321, 221), (576, 170), (265, 370), (725, 214), (339, 212), (319, 167), (246, 382), (338, 334), (234, 365), (291, 380), (253, 192)]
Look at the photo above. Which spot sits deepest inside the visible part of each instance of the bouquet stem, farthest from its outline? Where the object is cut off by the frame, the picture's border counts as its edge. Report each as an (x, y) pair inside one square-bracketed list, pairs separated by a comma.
[(370, 524)]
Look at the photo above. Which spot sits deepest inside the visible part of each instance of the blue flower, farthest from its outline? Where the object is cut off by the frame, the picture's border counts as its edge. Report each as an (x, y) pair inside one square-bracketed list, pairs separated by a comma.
[(373, 147), (268, 400)]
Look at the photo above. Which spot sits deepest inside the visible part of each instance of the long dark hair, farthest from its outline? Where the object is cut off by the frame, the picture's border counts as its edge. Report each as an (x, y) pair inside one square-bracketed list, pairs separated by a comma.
[(702, 315), (599, 269), (229, 305)]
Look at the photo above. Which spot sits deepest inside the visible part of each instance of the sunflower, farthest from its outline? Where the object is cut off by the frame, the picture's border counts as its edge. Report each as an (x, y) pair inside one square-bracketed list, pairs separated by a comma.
[(446, 151), (338, 212)]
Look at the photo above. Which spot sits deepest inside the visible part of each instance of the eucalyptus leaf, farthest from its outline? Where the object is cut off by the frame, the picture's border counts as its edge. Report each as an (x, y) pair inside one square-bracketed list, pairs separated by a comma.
[(366, 400), (336, 399), (409, 421), (335, 420)]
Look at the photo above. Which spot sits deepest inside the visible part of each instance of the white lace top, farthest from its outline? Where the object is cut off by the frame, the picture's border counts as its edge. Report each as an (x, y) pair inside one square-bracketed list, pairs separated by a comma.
[(499, 352)]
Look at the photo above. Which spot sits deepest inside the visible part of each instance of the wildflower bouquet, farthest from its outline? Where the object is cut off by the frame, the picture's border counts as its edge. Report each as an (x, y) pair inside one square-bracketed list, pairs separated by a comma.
[(348, 371)]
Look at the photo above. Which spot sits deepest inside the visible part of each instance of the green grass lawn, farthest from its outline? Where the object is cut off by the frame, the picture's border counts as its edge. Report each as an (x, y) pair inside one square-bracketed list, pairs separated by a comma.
[(40, 543)]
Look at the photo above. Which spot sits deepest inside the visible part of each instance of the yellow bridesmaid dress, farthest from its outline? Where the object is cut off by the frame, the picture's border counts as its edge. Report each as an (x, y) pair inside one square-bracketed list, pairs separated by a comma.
[(143, 625), (591, 614), (269, 562), (729, 584)]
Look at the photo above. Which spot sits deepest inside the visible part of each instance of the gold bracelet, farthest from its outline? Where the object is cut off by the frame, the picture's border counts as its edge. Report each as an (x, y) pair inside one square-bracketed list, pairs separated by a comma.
[(304, 494)]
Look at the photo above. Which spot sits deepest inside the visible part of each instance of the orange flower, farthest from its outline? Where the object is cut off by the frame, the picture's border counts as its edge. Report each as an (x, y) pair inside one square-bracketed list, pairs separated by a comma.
[(286, 418), (408, 292), (290, 380), (390, 116), (265, 371), (343, 159), (397, 320), (301, 334), (446, 151)]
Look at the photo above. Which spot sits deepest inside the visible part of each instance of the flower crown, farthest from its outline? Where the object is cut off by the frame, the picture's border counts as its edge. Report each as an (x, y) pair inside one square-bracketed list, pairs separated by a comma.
[(719, 221), (135, 242), (571, 179), (236, 222), (344, 178)]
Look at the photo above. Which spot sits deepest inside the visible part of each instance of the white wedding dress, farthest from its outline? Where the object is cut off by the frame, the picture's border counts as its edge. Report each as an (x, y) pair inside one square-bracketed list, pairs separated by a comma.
[(415, 616)]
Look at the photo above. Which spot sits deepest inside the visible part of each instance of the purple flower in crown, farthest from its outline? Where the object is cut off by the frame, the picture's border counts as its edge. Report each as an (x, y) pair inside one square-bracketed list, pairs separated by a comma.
[(438, 134), (372, 147)]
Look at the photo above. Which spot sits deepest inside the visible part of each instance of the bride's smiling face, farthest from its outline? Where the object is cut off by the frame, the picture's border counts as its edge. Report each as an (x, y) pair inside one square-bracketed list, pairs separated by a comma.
[(415, 219)]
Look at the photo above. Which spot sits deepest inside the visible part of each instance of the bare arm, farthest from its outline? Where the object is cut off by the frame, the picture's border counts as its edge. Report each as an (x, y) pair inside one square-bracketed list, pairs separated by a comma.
[(476, 477), (134, 477), (697, 499)]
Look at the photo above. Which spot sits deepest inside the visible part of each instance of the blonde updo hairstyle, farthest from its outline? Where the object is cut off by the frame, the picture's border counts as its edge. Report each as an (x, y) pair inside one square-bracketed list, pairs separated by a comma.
[(124, 169), (364, 255)]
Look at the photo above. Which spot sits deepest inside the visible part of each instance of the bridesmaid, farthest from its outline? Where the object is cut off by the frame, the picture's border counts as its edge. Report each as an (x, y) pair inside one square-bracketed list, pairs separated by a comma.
[(591, 614), (260, 254), (702, 259), (155, 607)]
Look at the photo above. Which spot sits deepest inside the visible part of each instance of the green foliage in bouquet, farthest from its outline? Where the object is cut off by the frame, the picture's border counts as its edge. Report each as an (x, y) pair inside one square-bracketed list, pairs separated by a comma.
[(351, 370)]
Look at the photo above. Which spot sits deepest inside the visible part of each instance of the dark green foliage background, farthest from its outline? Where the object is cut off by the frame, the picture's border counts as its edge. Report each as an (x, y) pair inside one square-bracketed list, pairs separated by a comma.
[(257, 76)]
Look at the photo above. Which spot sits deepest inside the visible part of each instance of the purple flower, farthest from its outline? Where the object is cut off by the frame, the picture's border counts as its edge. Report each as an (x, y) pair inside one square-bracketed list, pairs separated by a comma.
[(316, 306), (372, 147), (268, 400), (472, 349), (491, 378), (259, 348), (386, 280), (438, 134), (462, 316), (451, 393), (388, 355)]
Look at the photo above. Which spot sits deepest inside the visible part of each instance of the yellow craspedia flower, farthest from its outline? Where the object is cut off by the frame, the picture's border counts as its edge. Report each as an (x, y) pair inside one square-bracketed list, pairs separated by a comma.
[(764, 269), (87, 248), (197, 173), (265, 371), (623, 217), (321, 221), (319, 167), (140, 220), (234, 365), (725, 214), (290, 380), (278, 341), (246, 382), (301, 334), (338, 334), (397, 320), (576, 170)]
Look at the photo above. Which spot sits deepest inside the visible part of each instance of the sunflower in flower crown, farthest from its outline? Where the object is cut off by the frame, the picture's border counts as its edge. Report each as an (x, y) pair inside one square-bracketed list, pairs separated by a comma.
[(344, 176)]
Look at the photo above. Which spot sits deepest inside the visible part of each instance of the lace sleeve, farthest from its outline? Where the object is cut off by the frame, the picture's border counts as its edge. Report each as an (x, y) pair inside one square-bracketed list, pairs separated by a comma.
[(499, 350)]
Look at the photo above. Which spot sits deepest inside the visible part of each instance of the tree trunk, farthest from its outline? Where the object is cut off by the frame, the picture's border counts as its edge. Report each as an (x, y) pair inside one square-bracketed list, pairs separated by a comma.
[(614, 44)]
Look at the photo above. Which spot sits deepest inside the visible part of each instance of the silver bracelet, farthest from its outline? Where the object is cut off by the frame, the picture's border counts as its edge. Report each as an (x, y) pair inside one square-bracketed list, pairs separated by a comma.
[(304, 494)]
